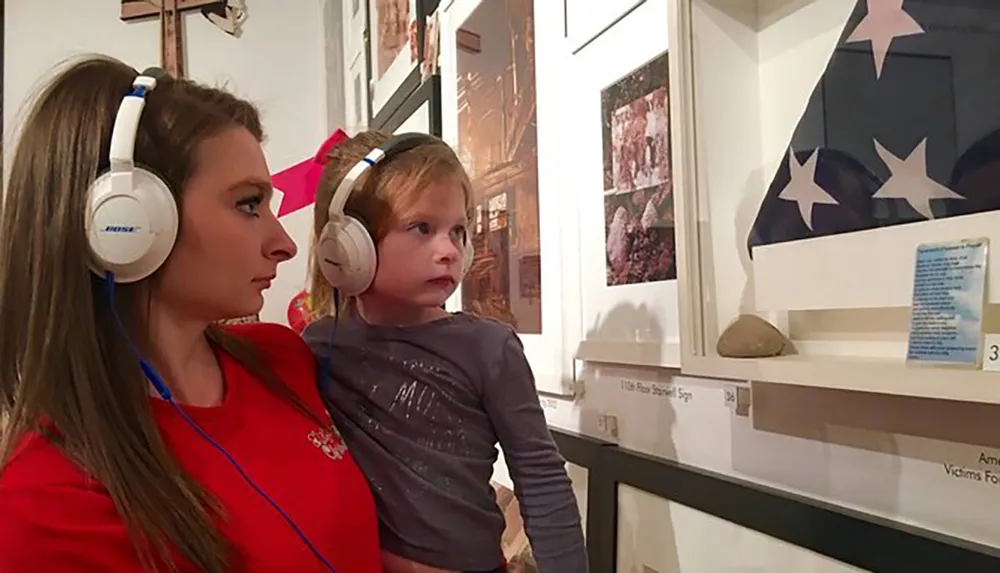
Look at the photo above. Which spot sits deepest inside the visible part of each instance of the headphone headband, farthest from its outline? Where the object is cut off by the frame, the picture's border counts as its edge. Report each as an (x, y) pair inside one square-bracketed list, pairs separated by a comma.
[(131, 217), (123, 134), (387, 149)]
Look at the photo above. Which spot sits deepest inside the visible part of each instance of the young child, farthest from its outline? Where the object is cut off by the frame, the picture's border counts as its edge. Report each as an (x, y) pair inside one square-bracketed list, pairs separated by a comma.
[(423, 396)]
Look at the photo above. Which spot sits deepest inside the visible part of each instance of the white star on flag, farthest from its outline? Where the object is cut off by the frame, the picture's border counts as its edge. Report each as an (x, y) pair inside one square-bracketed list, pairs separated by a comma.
[(886, 21), (909, 180), (802, 187)]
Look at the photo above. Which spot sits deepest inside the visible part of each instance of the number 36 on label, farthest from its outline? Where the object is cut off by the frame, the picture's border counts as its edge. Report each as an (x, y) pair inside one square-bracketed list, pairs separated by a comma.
[(991, 352)]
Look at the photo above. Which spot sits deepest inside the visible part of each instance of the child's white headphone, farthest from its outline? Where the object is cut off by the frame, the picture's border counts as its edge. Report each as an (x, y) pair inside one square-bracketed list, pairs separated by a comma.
[(132, 217), (345, 251)]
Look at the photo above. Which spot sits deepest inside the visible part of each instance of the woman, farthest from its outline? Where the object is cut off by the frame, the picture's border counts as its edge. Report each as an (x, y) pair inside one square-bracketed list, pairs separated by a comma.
[(138, 434)]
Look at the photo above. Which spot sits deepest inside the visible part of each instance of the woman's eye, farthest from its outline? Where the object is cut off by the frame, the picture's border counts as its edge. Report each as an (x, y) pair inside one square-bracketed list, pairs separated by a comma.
[(250, 204)]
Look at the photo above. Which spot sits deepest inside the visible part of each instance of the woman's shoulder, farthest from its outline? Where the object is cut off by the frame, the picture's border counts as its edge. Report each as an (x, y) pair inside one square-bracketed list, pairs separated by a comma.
[(281, 351), (263, 332), (54, 513), (37, 475), (276, 342), (37, 463)]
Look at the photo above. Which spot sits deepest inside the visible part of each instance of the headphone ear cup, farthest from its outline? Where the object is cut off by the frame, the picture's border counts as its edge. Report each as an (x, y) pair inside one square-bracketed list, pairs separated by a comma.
[(132, 231), (346, 255)]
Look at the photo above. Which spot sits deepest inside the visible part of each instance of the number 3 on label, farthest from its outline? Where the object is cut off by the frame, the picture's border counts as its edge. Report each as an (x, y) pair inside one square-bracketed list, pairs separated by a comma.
[(991, 352)]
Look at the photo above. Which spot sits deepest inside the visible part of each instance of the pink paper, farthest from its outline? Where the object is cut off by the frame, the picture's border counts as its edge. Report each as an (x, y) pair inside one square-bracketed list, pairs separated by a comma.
[(299, 182)]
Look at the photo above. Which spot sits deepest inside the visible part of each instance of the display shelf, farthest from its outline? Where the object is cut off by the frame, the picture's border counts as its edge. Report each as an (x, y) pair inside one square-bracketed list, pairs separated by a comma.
[(651, 354), (872, 375), (797, 157)]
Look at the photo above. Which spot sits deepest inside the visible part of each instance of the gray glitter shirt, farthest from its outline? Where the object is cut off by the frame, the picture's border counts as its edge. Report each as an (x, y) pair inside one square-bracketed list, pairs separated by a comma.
[(422, 409)]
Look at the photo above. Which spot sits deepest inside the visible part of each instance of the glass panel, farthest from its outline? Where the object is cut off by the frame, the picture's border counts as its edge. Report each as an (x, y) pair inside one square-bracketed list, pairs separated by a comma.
[(498, 145)]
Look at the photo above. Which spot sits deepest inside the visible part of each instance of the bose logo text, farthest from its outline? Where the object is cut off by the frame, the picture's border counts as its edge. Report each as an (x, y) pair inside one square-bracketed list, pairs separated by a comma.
[(120, 229)]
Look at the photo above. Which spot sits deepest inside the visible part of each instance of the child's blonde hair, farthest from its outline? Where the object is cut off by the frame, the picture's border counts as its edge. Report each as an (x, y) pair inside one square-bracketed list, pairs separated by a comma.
[(388, 194)]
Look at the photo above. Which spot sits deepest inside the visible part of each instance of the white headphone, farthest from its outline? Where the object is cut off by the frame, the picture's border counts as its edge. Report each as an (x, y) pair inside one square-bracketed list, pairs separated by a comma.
[(132, 217), (346, 251)]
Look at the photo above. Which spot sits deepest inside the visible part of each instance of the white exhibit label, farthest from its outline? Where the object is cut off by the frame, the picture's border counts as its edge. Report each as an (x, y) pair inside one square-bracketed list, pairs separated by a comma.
[(729, 396), (949, 288), (661, 390)]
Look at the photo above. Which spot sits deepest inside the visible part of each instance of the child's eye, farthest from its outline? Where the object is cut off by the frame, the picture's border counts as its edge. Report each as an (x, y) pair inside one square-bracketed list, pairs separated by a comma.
[(459, 233), (249, 205), (421, 228)]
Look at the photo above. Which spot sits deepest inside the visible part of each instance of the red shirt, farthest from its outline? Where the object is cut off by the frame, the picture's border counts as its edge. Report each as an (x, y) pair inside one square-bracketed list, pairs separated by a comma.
[(54, 518)]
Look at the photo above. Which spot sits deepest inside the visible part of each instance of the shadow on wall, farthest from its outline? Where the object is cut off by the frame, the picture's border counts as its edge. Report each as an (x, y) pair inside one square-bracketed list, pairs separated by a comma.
[(642, 528), (623, 322)]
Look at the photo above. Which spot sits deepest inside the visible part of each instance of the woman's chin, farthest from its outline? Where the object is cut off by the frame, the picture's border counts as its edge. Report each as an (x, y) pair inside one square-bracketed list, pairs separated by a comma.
[(244, 313)]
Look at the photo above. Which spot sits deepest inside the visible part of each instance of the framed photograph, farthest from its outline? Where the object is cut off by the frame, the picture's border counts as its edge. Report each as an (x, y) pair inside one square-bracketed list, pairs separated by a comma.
[(420, 113), (393, 53), (585, 20), (624, 194), (495, 117), (638, 195), (432, 39), (352, 49), (813, 170), (355, 26)]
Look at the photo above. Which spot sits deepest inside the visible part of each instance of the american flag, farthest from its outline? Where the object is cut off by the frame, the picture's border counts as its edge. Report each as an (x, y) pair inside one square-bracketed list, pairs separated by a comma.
[(903, 126)]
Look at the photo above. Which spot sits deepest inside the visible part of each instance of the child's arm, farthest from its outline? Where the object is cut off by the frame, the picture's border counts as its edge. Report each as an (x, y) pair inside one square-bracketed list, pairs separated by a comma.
[(548, 506)]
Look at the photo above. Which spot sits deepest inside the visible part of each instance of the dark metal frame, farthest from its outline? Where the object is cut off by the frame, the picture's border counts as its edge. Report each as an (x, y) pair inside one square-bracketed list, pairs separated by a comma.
[(851, 537), (430, 92)]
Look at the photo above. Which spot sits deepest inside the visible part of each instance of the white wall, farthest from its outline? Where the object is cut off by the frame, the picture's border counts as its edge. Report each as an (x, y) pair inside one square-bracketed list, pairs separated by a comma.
[(278, 63)]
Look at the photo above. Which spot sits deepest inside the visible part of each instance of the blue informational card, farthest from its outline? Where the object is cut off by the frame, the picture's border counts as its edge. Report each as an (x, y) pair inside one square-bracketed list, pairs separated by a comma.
[(949, 294)]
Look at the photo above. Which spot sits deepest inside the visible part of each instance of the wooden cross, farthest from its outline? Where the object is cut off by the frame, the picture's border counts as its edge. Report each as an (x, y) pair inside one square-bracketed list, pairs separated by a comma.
[(171, 37)]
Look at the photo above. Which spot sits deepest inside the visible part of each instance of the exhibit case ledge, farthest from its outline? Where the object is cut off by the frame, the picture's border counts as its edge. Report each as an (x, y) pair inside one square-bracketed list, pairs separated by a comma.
[(815, 148)]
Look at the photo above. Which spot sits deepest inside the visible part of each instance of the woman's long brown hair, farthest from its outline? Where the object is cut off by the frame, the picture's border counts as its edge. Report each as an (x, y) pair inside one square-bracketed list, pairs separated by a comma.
[(64, 366)]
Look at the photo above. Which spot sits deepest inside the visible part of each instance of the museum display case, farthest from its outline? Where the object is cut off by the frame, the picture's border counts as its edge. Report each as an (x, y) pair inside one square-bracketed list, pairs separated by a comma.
[(816, 145)]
